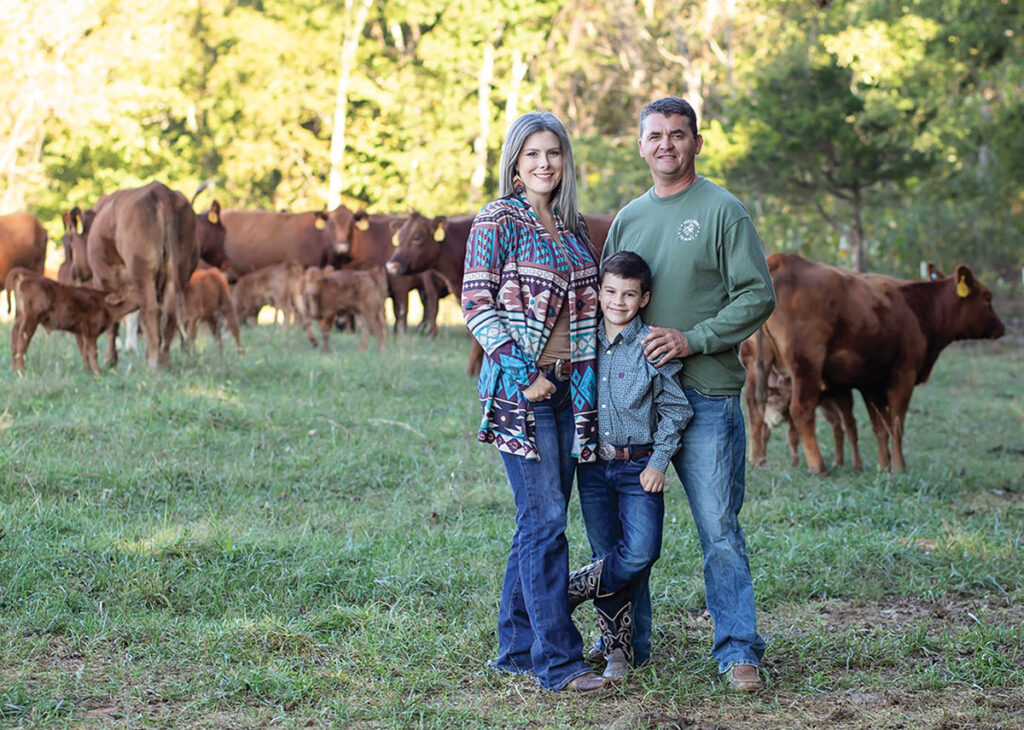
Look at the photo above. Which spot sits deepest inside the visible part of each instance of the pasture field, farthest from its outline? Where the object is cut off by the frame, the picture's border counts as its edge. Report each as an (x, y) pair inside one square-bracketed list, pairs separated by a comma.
[(297, 539)]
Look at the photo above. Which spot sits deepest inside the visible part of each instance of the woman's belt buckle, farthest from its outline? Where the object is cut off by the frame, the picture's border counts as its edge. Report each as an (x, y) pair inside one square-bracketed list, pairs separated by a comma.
[(562, 368)]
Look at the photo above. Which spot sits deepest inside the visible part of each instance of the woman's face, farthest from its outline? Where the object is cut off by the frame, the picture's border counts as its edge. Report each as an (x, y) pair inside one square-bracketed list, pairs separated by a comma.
[(540, 165)]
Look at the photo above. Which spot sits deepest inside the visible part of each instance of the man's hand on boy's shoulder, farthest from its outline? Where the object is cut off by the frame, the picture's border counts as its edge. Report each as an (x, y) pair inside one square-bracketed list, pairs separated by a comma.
[(652, 480), (662, 344)]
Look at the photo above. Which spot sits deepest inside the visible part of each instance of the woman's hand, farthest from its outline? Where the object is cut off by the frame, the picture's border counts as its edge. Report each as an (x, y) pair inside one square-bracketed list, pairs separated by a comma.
[(542, 389)]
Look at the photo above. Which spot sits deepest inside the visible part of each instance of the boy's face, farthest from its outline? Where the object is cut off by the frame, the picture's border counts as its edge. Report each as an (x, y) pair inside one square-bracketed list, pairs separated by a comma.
[(621, 299)]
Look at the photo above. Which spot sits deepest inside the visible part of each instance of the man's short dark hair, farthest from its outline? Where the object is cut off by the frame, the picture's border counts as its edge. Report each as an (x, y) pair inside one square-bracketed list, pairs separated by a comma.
[(628, 265), (668, 106)]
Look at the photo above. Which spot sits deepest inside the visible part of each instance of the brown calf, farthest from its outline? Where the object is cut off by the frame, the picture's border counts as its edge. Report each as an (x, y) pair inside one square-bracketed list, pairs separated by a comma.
[(361, 293), (83, 311), (208, 299), (281, 286)]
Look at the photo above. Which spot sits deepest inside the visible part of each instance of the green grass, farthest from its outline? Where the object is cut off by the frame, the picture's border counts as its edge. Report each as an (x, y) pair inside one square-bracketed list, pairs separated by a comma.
[(304, 539)]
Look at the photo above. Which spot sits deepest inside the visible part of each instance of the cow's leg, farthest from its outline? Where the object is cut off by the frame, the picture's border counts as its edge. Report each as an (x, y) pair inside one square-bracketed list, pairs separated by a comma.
[(400, 300), (191, 328), (166, 338), (899, 401), (793, 441), (214, 324), (89, 351), (378, 323), (21, 335), (844, 409), (112, 344), (364, 331), (803, 403), (149, 315), (757, 433), (228, 310), (830, 411), (429, 299), (878, 413), (476, 359), (326, 324)]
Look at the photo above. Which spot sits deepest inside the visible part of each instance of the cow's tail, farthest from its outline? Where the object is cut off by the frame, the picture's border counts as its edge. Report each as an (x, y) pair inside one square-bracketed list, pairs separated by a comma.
[(173, 302), (761, 382)]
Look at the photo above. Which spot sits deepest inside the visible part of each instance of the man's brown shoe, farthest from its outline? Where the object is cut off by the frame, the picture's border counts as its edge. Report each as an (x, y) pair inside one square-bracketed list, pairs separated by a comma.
[(744, 678), (587, 684)]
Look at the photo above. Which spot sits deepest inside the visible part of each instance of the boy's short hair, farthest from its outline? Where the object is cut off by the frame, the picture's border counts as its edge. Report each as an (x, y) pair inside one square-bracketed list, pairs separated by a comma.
[(628, 265)]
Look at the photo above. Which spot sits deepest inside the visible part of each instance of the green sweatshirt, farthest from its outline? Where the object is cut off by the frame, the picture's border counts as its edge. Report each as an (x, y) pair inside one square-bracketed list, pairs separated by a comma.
[(710, 276)]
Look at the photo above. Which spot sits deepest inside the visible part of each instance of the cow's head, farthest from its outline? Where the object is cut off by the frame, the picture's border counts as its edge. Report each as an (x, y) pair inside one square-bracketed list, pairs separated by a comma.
[(210, 235), (417, 244), (76, 234), (342, 226), (973, 314)]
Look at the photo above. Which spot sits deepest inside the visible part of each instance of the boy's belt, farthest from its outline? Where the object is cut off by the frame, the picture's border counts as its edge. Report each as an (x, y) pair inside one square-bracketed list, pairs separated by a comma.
[(611, 452)]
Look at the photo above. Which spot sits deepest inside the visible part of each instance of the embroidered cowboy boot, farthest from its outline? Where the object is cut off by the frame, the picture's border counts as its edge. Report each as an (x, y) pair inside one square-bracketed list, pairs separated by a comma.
[(617, 637), (584, 584)]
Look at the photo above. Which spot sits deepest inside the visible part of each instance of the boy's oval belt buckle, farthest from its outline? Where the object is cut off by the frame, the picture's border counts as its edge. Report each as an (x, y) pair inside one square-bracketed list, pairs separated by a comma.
[(606, 451)]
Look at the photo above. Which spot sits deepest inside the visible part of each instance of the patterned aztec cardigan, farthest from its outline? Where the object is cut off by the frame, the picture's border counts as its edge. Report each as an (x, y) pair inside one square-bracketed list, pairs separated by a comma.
[(516, 279)]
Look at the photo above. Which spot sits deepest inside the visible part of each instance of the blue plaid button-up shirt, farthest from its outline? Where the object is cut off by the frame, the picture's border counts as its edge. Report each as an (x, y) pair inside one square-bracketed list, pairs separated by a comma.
[(639, 404)]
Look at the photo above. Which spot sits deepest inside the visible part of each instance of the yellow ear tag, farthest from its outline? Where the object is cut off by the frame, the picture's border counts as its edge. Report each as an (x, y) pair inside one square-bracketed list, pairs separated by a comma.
[(394, 239), (320, 224), (213, 217), (962, 290), (439, 233), (363, 224)]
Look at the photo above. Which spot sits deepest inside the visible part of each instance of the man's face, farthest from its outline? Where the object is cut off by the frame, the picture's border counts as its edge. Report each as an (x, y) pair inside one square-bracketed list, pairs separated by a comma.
[(621, 299), (668, 146)]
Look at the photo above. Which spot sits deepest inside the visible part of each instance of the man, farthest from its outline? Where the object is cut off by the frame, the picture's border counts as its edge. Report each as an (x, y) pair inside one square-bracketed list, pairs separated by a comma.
[(711, 291)]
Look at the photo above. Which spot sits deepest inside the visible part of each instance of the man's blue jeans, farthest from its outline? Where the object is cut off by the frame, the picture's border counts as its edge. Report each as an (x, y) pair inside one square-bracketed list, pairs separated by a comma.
[(535, 632), (624, 525), (711, 466)]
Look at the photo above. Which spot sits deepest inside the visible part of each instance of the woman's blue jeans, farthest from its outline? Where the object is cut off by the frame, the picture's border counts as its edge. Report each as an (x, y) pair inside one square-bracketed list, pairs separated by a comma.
[(535, 632)]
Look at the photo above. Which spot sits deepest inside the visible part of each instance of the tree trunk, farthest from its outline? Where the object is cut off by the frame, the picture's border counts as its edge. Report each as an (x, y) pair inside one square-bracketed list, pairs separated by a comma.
[(484, 79), (349, 48)]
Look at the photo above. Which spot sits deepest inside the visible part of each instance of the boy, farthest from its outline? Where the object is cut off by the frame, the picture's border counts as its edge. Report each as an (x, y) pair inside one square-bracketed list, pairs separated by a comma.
[(641, 415)]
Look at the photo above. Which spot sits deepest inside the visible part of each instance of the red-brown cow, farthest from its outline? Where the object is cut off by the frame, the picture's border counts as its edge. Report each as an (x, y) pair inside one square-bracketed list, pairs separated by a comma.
[(22, 243), (767, 394), (83, 311), (364, 241), (361, 293), (281, 286), (208, 299), (242, 241), (143, 238), (439, 244), (880, 335)]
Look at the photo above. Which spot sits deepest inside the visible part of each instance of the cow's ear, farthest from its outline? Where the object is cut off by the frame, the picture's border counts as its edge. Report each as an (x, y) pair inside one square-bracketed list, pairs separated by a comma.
[(965, 283), (440, 228), (362, 219), (76, 221), (113, 299), (66, 217), (320, 221), (214, 214), (934, 272)]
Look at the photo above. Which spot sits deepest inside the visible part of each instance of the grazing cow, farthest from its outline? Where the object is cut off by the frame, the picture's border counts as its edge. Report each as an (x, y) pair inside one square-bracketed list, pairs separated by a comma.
[(143, 238), (365, 241), (83, 311), (281, 286), (439, 243), (767, 395), (22, 243), (880, 335), (208, 299), (361, 293)]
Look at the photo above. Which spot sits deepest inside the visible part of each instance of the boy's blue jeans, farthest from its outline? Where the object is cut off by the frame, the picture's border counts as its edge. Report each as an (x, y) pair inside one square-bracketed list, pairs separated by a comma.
[(624, 525), (535, 632), (711, 466)]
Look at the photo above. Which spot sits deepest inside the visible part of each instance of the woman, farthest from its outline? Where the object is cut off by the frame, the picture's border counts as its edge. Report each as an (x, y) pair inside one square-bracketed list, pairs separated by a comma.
[(529, 297)]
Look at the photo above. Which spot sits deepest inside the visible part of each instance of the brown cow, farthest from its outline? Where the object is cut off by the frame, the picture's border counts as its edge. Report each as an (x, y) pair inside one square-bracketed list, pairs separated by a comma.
[(880, 335), (281, 286), (365, 241), (208, 299), (439, 243), (242, 241), (361, 293), (143, 238), (22, 243), (767, 395), (83, 311)]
